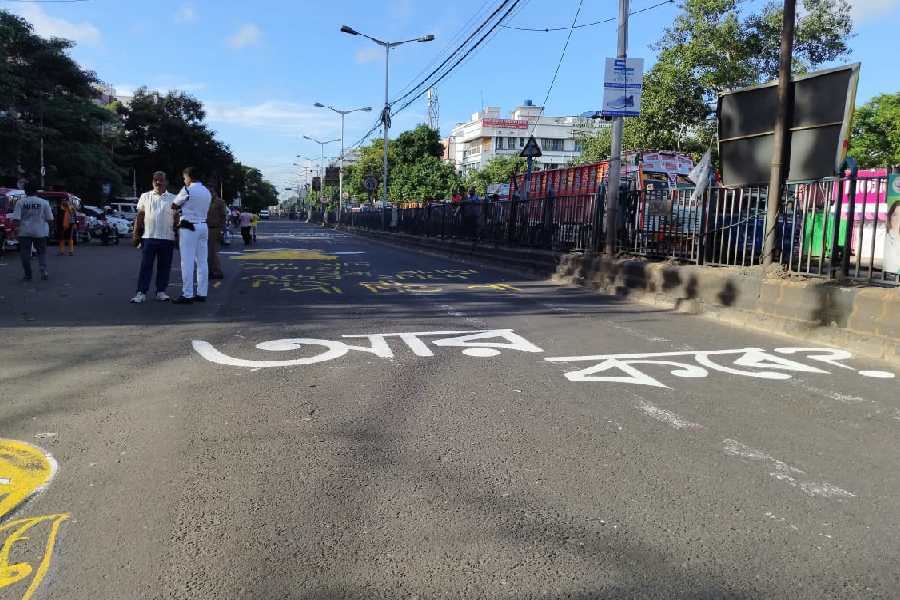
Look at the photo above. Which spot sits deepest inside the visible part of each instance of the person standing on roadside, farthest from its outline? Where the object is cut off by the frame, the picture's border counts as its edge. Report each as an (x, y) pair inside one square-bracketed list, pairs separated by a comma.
[(66, 227), (215, 221), (246, 222), (33, 216), (254, 221), (193, 237), (157, 240)]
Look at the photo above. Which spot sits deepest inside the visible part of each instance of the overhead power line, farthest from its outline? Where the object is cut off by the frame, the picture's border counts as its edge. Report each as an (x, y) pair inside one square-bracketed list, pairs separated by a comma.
[(463, 57), (425, 83), (592, 24), (562, 57), (455, 52)]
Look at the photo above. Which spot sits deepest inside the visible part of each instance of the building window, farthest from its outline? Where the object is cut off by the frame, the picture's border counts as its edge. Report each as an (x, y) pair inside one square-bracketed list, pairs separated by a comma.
[(498, 143), (552, 144)]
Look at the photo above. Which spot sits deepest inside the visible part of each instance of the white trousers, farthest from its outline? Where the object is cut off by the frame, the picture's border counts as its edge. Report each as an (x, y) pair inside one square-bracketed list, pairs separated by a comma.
[(193, 248)]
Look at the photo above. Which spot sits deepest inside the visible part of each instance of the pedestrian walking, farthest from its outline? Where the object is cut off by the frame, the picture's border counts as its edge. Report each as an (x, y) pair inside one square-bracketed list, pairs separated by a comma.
[(193, 237), (246, 222), (66, 227), (216, 220), (156, 238), (33, 216), (254, 221)]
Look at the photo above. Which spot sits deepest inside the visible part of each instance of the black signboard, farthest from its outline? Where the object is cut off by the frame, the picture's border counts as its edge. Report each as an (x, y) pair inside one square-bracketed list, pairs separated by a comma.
[(819, 127)]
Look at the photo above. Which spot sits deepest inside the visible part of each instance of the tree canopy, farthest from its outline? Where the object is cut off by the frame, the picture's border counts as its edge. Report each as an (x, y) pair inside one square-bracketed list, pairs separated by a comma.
[(713, 46), (875, 136), (416, 170), (88, 145)]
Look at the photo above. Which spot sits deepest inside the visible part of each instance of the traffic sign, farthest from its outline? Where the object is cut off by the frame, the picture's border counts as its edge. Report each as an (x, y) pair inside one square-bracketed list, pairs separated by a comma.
[(622, 87), (531, 149), (370, 183)]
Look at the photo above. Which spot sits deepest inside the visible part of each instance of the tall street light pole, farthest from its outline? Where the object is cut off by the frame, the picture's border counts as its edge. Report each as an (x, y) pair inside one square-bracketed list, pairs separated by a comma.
[(386, 112), (343, 114), (321, 169)]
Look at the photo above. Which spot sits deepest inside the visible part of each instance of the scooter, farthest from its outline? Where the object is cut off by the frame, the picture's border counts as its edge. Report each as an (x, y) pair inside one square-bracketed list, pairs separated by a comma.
[(103, 231)]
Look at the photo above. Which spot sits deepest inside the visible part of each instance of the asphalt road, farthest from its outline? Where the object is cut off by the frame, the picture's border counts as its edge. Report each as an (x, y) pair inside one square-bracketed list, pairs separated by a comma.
[(245, 448)]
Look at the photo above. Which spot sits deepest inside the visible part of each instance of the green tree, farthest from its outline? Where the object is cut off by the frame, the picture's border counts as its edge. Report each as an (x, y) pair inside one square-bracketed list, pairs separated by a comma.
[(717, 45), (427, 178), (498, 169), (875, 136), (44, 93)]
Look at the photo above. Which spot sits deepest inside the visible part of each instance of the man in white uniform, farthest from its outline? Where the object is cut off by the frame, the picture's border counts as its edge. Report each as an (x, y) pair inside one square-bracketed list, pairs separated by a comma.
[(193, 236), (158, 240)]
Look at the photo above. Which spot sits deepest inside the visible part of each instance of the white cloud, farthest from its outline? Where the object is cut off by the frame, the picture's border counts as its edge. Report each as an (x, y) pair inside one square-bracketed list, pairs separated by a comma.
[(288, 118), (185, 14), (368, 54), (867, 10), (48, 26), (247, 35)]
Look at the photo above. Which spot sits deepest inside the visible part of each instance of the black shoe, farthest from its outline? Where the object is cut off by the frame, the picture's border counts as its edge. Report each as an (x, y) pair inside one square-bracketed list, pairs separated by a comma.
[(26, 278), (44, 276), (199, 298), (182, 300)]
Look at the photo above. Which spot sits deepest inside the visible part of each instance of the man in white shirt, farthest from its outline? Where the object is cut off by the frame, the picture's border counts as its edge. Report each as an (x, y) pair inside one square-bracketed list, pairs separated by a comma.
[(32, 216), (193, 236), (158, 239)]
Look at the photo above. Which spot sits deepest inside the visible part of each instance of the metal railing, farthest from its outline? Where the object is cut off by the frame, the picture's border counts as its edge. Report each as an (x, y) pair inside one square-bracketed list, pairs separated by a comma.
[(835, 227), (563, 223)]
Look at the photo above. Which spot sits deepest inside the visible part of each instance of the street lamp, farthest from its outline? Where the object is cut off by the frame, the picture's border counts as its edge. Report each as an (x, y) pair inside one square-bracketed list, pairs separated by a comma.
[(321, 167), (343, 114), (386, 112)]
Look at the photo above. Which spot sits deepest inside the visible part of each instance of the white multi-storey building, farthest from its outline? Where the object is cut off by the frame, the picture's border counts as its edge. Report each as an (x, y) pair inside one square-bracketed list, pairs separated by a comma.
[(471, 145)]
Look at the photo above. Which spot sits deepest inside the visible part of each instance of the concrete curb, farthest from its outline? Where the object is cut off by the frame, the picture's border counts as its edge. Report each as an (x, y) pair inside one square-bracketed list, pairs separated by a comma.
[(864, 320)]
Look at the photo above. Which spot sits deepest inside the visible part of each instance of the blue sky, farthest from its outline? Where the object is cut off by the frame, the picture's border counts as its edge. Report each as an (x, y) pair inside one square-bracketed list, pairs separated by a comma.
[(260, 66)]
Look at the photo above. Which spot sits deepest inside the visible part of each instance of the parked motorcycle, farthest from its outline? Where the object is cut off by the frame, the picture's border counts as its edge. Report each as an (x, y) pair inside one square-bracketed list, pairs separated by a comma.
[(103, 231)]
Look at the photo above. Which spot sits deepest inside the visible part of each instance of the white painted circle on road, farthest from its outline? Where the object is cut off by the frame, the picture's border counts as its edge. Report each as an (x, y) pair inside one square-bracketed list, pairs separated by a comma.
[(481, 352)]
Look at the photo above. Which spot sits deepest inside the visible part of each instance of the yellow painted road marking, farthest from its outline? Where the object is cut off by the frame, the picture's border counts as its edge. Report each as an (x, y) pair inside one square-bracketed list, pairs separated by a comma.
[(286, 255), (500, 287), (17, 530), (24, 471), (26, 468)]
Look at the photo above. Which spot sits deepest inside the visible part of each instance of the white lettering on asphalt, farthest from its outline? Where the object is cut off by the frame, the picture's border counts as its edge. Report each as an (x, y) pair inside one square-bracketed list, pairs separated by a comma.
[(755, 358), (784, 472), (475, 344), (607, 368)]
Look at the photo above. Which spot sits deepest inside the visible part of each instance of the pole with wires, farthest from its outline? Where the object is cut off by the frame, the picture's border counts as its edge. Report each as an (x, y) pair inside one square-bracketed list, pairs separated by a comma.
[(615, 158)]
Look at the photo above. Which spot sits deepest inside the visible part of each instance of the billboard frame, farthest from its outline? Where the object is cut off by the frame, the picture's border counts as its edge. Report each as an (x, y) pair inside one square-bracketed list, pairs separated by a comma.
[(843, 145)]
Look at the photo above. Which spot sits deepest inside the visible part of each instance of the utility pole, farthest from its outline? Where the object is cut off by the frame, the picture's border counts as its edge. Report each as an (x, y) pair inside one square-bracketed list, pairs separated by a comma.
[(615, 158), (43, 168), (780, 136), (386, 111)]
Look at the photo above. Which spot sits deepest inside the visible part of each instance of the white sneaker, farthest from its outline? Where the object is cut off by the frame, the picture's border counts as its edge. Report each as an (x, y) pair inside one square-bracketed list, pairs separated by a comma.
[(162, 297), (139, 298)]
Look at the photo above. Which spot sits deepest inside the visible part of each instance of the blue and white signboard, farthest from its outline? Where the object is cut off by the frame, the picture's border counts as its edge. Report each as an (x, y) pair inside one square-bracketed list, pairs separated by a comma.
[(622, 87)]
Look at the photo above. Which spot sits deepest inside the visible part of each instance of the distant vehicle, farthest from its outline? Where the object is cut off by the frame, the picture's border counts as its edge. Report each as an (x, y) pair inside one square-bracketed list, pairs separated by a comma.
[(264, 214), (292, 214), (126, 208), (122, 226), (8, 199)]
